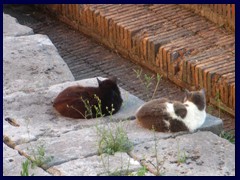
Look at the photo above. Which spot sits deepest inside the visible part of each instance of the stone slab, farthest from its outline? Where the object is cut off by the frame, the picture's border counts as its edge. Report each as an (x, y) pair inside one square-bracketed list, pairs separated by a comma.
[(82, 143), (137, 134), (117, 164), (36, 116), (213, 124), (206, 154), (11, 27), (66, 146), (12, 164), (31, 62)]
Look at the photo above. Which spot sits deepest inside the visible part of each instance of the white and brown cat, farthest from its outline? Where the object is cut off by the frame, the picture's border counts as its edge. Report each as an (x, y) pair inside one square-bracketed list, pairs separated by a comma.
[(173, 116)]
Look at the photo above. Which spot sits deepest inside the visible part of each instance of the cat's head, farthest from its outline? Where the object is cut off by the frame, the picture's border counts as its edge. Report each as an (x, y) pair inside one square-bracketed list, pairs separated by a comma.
[(196, 97), (110, 91), (108, 84)]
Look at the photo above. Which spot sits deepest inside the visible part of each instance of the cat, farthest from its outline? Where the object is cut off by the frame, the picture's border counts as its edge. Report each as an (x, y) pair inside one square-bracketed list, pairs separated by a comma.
[(173, 116), (73, 101)]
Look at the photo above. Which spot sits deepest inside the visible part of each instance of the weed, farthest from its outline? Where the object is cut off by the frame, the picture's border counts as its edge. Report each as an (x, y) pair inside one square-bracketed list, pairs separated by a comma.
[(98, 107), (39, 158), (146, 80), (113, 141), (117, 172), (181, 156), (210, 109), (25, 168), (228, 136), (109, 141), (159, 77), (142, 171), (158, 163), (89, 108)]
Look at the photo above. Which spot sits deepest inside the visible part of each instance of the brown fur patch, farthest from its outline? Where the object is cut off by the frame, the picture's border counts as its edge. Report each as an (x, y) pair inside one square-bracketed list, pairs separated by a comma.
[(197, 97), (153, 115), (180, 109)]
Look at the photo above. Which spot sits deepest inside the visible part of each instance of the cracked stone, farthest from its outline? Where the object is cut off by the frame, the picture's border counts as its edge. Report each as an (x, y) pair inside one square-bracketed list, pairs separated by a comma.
[(13, 164), (208, 162)]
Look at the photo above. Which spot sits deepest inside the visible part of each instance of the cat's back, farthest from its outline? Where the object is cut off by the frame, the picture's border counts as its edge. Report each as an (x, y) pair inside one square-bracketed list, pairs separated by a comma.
[(70, 102), (74, 92), (152, 108), (162, 115), (151, 114)]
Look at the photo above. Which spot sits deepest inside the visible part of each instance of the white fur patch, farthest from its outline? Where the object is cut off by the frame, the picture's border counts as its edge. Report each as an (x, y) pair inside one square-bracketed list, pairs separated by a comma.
[(167, 123), (194, 118)]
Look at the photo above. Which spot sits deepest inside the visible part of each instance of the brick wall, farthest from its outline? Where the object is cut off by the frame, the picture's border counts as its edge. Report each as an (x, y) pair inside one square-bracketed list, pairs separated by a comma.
[(168, 39)]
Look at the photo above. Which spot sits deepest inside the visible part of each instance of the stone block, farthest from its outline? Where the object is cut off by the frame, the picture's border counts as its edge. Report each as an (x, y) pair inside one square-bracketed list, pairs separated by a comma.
[(12, 164), (11, 27), (197, 154), (37, 117), (117, 164), (31, 62)]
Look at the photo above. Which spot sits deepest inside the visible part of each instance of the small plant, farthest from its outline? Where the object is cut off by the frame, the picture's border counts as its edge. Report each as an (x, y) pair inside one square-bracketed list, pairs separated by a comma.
[(98, 107), (117, 172), (89, 108), (146, 80), (228, 136), (110, 141), (25, 168), (210, 109), (142, 171), (39, 157), (158, 163), (159, 77), (113, 141), (181, 156)]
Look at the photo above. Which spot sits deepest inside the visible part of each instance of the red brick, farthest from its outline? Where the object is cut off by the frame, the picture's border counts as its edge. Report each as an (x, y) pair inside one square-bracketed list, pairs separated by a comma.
[(204, 68), (212, 79), (108, 21), (100, 12)]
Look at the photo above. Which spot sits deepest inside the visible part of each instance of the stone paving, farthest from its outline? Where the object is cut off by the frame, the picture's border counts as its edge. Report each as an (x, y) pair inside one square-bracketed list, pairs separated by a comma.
[(73, 144), (87, 58)]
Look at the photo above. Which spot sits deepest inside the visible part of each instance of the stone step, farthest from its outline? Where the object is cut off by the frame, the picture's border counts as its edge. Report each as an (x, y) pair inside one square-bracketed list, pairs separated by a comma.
[(198, 154), (32, 62), (11, 27), (12, 164)]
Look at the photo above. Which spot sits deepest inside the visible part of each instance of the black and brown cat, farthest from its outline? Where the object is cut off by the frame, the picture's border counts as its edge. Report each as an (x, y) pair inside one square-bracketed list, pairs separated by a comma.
[(173, 116), (71, 102)]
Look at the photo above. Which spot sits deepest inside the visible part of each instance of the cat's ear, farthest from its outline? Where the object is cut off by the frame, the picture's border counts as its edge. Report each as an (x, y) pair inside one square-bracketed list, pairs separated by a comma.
[(202, 91), (113, 79), (186, 95), (99, 81), (186, 92)]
